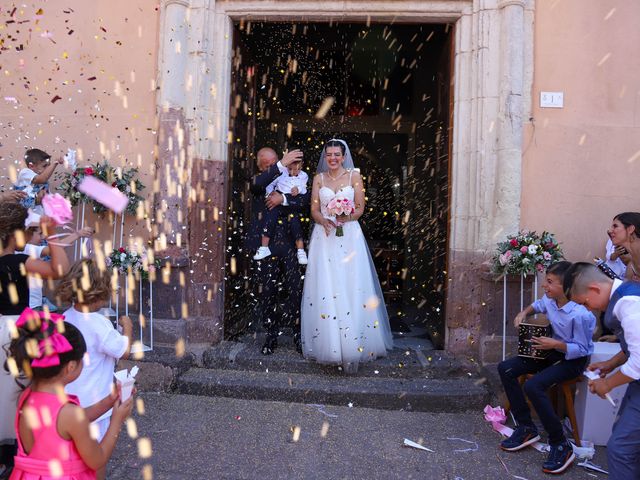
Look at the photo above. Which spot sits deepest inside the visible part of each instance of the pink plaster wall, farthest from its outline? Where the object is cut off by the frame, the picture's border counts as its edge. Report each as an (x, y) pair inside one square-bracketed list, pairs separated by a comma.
[(582, 163), (116, 42)]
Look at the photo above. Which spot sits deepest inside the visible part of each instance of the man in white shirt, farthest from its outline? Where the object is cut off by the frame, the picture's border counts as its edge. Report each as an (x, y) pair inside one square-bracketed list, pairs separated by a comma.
[(586, 284)]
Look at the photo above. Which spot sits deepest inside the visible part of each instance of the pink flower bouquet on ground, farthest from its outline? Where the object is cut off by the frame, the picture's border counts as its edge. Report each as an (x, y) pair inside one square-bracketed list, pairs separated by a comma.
[(340, 205)]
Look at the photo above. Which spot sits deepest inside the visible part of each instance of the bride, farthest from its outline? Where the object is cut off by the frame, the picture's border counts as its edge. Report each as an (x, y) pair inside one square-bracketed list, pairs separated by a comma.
[(344, 319)]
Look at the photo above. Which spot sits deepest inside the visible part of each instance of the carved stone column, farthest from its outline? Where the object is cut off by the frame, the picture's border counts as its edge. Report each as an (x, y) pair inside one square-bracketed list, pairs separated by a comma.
[(493, 44), (190, 186)]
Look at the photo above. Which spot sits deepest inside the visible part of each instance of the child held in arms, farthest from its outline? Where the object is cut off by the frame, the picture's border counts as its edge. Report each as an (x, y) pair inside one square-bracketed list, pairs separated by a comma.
[(570, 347), (34, 180), (620, 301), (292, 181)]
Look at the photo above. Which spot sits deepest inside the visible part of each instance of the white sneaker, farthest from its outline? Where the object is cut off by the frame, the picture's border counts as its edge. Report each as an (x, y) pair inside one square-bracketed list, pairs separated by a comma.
[(302, 257), (263, 252)]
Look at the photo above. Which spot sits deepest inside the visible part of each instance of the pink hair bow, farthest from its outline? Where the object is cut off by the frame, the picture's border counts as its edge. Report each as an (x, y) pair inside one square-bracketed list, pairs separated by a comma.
[(50, 350), (51, 346), (28, 315)]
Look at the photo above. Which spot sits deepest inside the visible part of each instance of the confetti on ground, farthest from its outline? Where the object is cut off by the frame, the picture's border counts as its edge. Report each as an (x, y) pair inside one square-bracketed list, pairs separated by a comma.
[(410, 443)]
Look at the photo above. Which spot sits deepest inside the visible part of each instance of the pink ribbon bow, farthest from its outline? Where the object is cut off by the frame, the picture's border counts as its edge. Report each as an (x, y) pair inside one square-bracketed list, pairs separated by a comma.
[(49, 347), (50, 350), (28, 315)]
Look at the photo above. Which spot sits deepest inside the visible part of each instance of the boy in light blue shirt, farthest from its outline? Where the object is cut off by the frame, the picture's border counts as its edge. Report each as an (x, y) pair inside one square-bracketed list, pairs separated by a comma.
[(570, 346)]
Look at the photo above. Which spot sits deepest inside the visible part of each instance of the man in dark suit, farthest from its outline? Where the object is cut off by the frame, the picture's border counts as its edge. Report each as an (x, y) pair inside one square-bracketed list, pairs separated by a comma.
[(280, 272)]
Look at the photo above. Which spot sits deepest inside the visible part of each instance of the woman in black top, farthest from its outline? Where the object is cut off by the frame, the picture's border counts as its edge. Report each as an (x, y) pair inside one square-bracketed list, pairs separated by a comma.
[(14, 293)]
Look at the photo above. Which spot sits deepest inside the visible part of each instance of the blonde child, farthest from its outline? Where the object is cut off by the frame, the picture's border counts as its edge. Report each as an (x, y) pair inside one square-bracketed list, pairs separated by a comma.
[(88, 289), (54, 439)]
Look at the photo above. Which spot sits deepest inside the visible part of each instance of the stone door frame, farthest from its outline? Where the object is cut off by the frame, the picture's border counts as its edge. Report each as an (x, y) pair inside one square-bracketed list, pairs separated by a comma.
[(492, 74)]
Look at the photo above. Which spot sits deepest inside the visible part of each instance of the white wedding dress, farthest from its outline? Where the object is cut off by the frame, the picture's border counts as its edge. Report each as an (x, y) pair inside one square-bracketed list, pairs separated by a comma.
[(344, 318)]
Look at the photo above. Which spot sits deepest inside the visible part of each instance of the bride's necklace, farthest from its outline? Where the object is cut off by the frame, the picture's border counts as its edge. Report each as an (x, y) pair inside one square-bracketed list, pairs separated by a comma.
[(336, 177)]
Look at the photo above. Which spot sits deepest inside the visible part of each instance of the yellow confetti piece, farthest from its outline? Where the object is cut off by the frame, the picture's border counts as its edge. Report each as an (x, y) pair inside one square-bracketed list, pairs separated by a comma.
[(326, 105), (31, 417), (372, 302), (140, 406), (147, 472), (13, 367), (296, 434), (324, 430), (45, 415), (180, 348), (94, 431), (132, 428), (55, 468), (144, 447), (13, 330)]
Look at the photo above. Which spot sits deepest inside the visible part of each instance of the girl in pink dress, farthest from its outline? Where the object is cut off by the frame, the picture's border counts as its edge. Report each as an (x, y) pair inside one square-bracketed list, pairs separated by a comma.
[(52, 429)]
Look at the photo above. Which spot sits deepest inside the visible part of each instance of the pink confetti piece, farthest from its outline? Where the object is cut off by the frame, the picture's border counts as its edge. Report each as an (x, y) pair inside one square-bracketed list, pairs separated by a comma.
[(108, 196), (57, 208)]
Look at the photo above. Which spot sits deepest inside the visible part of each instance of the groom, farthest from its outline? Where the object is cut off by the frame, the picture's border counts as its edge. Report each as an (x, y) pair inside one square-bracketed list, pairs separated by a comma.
[(279, 273)]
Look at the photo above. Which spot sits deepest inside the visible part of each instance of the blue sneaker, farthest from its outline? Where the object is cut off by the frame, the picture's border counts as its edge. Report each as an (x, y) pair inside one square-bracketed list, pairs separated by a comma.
[(560, 458), (522, 437)]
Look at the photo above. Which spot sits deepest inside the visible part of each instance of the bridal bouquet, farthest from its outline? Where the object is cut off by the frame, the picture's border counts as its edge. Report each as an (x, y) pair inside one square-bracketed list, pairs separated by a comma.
[(340, 205), (526, 253)]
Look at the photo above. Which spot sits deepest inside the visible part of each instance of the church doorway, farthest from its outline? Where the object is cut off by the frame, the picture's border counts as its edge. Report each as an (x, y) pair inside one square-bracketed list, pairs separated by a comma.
[(390, 91)]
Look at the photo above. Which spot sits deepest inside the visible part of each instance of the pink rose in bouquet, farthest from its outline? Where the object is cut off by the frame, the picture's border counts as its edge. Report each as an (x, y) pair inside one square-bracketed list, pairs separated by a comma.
[(340, 205), (57, 208)]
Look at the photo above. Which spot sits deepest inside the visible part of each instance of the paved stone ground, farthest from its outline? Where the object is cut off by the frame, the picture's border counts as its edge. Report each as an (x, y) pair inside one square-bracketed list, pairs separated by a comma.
[(225, 438)]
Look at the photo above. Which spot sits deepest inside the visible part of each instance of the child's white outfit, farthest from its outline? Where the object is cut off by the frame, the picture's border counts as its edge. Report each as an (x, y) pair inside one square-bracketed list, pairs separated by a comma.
[(25, 183), (35, 282), (104, 347), (284, 184)]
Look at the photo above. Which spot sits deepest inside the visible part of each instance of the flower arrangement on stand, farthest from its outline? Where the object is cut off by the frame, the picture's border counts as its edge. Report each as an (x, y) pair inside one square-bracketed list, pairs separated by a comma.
[(526, 253), (125, 260), (131, 262), (124, 180)]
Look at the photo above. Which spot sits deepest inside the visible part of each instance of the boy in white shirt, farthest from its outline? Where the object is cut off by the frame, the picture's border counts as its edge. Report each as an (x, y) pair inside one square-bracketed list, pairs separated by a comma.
[(34, 180), (88, 289), (292, 181)]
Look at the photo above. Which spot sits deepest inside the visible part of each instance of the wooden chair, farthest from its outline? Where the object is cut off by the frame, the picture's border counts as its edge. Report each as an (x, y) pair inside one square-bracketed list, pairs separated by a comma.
[(567, 393)]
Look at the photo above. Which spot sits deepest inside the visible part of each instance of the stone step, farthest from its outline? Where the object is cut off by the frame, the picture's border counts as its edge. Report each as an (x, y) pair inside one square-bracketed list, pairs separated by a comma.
[(411, 394), (408, 362)]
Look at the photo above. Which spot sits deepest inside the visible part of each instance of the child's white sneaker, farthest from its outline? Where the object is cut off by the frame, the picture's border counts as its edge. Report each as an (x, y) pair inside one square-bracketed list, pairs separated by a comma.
[(263, 252), (302, 257)]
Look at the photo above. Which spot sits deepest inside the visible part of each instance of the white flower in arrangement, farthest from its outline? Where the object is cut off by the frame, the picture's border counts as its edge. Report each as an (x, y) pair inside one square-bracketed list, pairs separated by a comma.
[(123, 257), (134, 253), (533, 249)]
